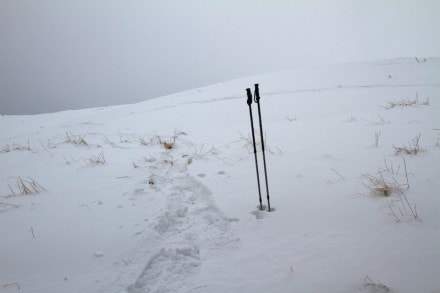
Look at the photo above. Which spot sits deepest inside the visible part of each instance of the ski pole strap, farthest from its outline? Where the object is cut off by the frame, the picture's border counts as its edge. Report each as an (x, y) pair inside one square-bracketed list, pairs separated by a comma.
[(249, 96), (257, 93)]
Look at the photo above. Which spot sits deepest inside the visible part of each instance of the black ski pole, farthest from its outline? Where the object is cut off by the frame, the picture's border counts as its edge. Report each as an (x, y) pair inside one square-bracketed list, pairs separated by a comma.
[(257, 100), (249, 102)]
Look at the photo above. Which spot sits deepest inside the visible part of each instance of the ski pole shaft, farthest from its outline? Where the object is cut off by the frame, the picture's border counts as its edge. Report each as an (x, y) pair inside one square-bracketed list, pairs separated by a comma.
[(257, 100), (249, 102)]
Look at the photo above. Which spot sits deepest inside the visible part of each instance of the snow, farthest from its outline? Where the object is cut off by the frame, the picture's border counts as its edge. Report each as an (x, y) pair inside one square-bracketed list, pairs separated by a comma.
[(113, 214)]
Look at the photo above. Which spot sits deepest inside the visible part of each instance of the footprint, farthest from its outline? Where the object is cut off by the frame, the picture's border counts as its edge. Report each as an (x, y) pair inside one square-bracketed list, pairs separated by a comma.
[(167, 268), (259, 214)]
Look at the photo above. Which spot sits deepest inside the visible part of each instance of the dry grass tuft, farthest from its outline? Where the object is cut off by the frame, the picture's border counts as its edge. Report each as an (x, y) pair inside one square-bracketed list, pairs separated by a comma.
[(377, 137), (202, 153), (380, 186), (124, 140), (97, 160), (291, 119), (75, 139), (399, 208), (247, 141), (167, 144), (169, 160), (373, 286), (12, 285), (413, 147), (150, 159), (25, 187), (381, 121), (407, 103), (15, 147), (71, 161), (404, 210), (144, 142), (350, 119), (178, 132), (5, 205), (112, 144)]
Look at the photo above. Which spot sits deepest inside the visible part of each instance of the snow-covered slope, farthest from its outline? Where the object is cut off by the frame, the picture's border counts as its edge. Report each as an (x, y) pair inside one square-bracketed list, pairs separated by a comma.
[(161, 196)]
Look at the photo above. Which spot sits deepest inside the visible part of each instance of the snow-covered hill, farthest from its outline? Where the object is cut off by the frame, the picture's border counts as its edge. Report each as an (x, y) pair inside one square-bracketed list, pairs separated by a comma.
[(161, 196)]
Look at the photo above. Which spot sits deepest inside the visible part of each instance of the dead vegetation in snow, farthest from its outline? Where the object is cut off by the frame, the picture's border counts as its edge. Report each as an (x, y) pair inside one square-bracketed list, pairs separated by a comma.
[(24, 187)]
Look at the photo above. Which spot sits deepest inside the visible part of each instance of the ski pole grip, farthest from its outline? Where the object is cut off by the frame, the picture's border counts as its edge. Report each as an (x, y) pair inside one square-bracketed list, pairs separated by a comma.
[(249, 96), (257, 93)]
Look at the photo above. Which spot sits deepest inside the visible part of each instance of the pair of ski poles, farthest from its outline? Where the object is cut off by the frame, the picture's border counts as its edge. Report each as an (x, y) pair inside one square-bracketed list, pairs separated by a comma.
[(256, 99)]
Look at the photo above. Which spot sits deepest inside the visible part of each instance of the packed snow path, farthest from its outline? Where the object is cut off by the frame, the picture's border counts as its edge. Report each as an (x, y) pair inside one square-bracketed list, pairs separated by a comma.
[(187, 230)]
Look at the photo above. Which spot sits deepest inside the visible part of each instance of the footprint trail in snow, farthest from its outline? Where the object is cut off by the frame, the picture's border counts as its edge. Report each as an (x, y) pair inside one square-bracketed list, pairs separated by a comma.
[(188, 229)]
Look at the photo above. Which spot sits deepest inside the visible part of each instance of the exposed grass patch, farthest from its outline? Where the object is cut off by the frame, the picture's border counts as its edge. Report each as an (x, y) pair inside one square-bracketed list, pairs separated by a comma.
[(97, 160), (385, 184), (249, 145), (413, 147), (407, 103), (167, 144), (75, 139), (16, 147), (380, 186), (25, 187)]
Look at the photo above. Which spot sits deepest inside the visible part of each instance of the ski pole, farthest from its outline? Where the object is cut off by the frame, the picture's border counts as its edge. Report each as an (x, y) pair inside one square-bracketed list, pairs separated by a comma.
[(249, 102), (257, 100)]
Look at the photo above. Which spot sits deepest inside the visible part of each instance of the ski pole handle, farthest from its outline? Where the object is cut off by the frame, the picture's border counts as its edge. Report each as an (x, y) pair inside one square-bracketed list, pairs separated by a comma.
[(257, 93), (249, 96)]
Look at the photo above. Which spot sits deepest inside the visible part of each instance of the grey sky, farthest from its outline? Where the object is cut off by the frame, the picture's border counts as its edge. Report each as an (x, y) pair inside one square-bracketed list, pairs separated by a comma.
[(71, 54)]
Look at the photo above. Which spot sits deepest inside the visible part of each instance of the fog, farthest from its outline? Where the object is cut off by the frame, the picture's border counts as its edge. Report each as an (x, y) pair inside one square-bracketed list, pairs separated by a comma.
[(72, 54)]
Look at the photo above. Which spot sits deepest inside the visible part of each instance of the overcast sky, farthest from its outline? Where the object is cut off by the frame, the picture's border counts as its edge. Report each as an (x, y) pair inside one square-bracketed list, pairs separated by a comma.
[(71, 54)]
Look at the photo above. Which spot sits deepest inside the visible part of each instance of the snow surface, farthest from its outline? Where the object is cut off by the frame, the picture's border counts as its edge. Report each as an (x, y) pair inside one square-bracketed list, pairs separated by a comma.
[(185, 219)]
